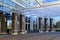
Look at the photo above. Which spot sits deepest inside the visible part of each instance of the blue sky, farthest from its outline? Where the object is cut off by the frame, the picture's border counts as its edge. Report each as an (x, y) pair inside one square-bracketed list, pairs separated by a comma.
[(56, 19), (47, 1), (9, 2)]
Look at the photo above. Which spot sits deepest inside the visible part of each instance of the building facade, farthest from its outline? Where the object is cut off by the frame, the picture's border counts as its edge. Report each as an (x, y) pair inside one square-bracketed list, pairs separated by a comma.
[(23, 23)]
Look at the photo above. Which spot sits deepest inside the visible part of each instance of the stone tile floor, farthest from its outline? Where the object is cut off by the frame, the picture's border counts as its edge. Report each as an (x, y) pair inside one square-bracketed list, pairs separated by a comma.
[(32, 36)]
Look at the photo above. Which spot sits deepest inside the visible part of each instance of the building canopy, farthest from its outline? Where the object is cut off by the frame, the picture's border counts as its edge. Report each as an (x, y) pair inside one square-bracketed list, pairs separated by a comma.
[(32, 7)]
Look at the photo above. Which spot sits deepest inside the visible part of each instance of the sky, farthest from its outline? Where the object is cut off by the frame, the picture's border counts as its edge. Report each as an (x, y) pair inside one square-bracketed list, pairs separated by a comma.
[(47, 1)]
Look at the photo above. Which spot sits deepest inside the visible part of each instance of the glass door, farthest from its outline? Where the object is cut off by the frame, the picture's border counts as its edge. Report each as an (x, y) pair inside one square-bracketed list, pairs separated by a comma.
[(27, 23)]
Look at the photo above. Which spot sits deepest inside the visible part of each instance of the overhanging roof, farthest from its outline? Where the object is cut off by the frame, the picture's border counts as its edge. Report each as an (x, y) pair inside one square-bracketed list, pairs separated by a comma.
[(18, 3), (39, 3), (49, 11)]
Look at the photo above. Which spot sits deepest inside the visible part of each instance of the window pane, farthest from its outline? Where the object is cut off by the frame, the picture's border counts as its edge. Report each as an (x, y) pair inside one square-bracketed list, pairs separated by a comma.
[(26, 19), (9, 2), (28, 26), (1, 0), (47, 1), (25, 26)]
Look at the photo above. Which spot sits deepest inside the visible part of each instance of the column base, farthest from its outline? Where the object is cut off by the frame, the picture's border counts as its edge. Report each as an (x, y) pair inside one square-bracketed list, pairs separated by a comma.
[(23, 32), (46, 31), (52, 31), (40, 31), (14, 33), (3, 33)]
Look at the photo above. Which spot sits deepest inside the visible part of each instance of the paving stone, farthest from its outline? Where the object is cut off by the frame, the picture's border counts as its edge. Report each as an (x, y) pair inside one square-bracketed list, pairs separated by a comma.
[(33, 36)]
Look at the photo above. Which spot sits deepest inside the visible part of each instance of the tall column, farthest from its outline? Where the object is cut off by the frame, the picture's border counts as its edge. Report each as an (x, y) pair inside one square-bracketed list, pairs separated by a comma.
[(31, 23), (0, 21), (40, 24), (4, 24), (22, 24), (46, 24), (7, 17), (0, 24), (51, 25), (14, 24)]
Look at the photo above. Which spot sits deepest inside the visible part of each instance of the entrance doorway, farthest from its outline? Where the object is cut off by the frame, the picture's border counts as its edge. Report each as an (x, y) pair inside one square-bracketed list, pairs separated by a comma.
[(27, 23), (9, 26)]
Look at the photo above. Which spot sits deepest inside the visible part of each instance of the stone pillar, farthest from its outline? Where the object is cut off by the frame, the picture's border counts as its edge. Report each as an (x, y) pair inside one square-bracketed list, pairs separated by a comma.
[(14, 24), (31, 23), (22, 24), (0, 21), (4, 24), (46, 24), (51, 25), (40, 24)]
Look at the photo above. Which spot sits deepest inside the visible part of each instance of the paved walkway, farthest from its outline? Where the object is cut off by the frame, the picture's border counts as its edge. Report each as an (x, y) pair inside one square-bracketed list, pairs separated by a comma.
[(33, 36)]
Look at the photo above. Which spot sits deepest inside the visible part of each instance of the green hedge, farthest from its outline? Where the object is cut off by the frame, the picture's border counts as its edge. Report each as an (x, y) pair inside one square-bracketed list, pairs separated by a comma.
[(57, 30)]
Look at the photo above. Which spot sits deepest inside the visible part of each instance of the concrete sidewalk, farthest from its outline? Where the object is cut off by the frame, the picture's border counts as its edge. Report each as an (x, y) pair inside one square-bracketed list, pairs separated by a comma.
[(34, 36)]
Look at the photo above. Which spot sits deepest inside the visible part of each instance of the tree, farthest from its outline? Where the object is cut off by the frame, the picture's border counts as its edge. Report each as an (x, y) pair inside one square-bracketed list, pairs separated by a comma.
[(10, 26), (58, 24)]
